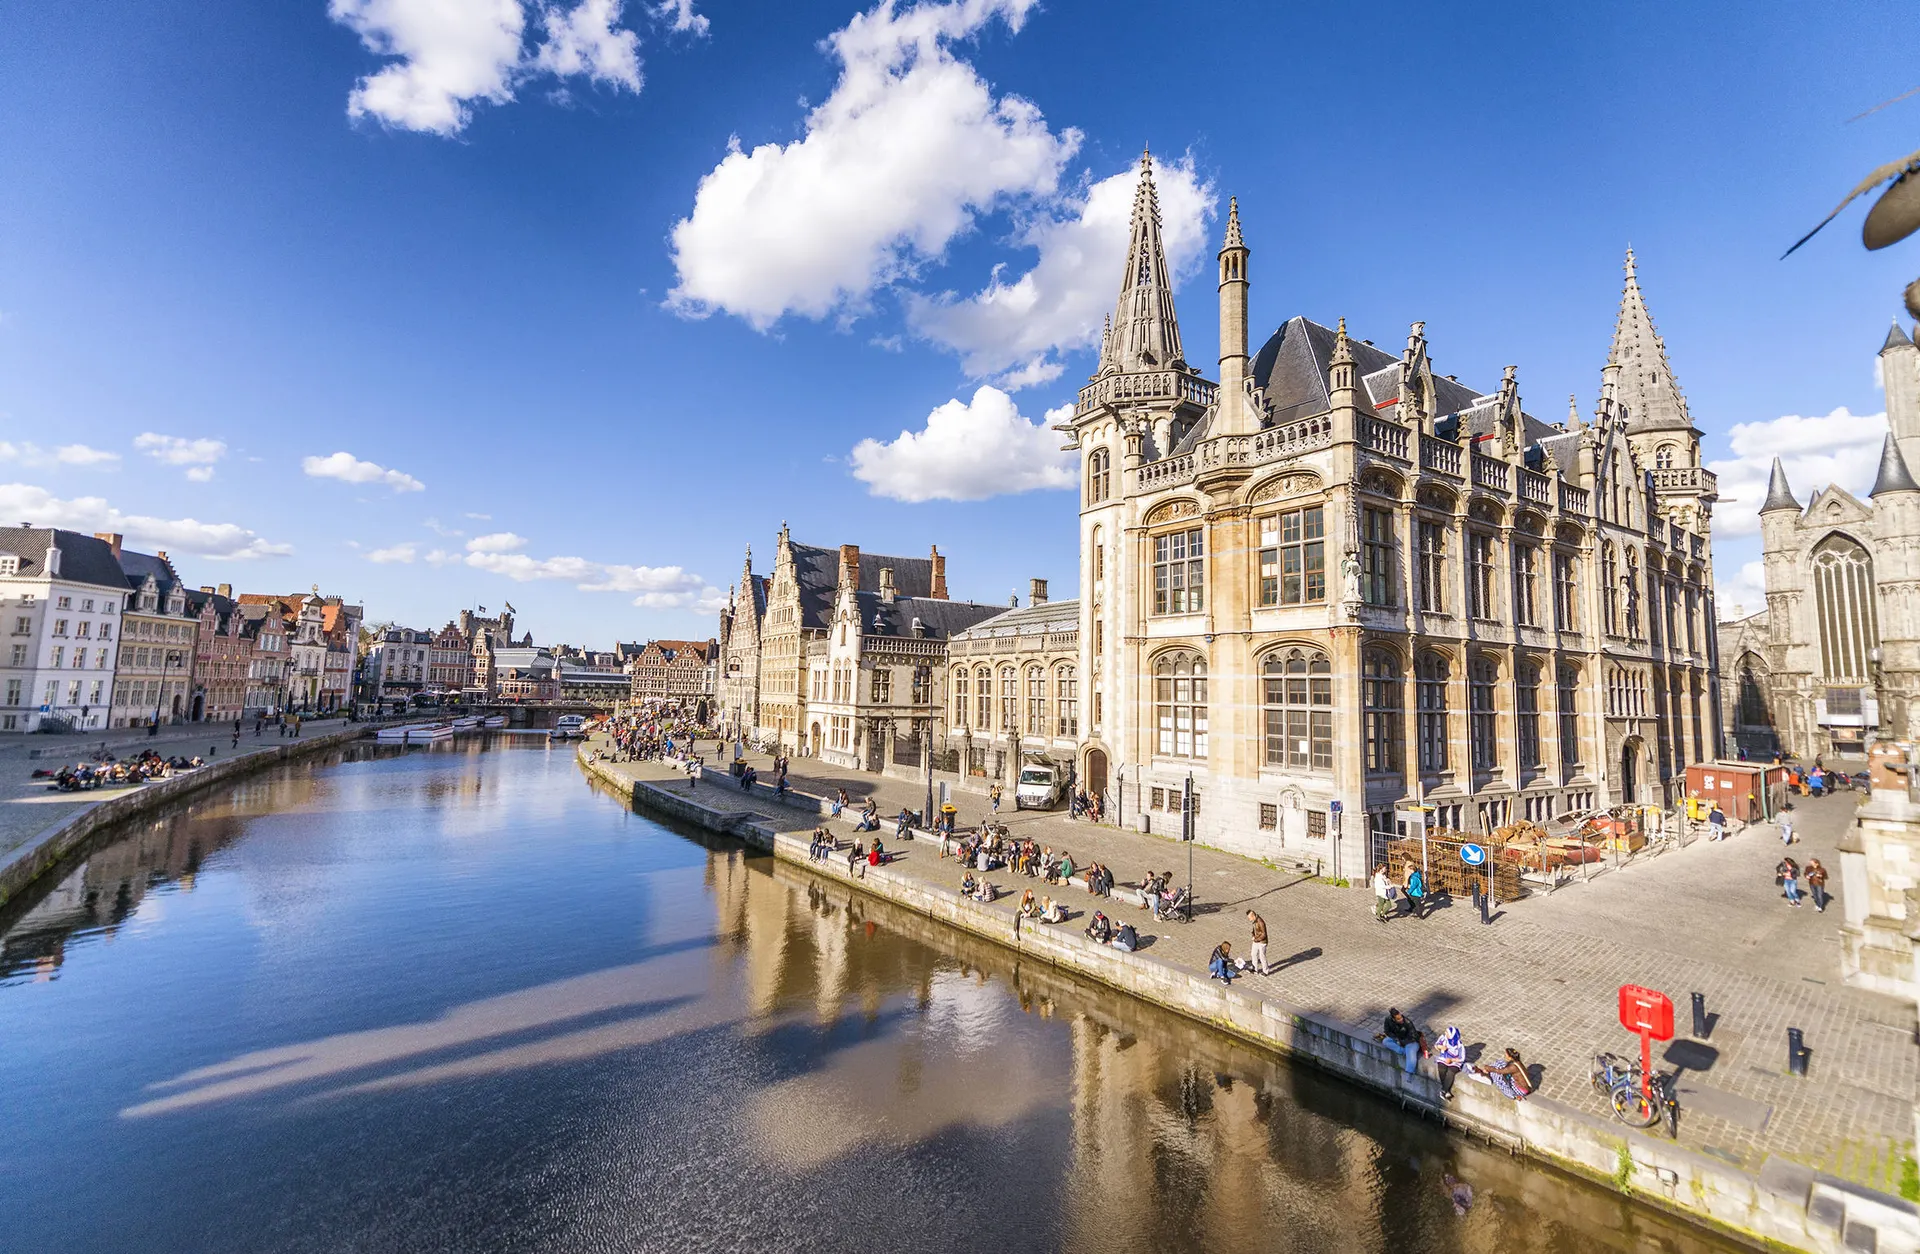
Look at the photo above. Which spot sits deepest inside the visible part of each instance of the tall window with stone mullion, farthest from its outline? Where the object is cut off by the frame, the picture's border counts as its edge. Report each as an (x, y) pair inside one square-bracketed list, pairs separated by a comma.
[(1566, 597), (1180, 707), (1568, 701), (1482, 733), (1036, 702), (1297, 696), (1179, 572), (1480, 602), (1376, 556), (1293, 557), (1066, 704), (1432, 538), (1431, 674), (1381, 729), (1526, 707), (1525, 561)]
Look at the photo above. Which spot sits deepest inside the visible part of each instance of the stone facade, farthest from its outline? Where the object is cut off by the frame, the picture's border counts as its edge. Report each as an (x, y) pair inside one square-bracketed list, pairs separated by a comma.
[(1013, 690), (159, 636), (737, 685), (672, 670), (1835, 656), (874, 678), (1338, 583), (221, 656)]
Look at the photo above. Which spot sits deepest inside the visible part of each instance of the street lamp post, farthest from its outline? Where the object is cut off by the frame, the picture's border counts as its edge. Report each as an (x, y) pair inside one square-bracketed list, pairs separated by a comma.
[(926, 756), (173, 656)]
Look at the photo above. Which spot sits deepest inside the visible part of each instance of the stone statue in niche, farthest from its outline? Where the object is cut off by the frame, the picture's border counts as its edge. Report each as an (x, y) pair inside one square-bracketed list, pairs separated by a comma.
[(1350, 586)]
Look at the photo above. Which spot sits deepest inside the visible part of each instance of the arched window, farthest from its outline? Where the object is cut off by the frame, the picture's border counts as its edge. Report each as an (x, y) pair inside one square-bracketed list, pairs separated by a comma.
[(1009, 700), (1099, 554), (1844, 606), (961, 710), (1066, 702), (1036, 701), (1483, 674), (1297, 702), (1430, 676), (1663, 457), (983, 698), (1753, 696), (1381, 703), (1097, 476), (1180, 706), (1609, 588)]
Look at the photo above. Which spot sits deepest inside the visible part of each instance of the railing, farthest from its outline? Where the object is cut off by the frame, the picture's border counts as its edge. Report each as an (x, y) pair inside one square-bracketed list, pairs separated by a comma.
[(1153, 385), (1293, 438), (1383, 437), (1684, 478), (1165, 472), (1573, 500), (1537, 488), (1438, 455), (1488, 473)]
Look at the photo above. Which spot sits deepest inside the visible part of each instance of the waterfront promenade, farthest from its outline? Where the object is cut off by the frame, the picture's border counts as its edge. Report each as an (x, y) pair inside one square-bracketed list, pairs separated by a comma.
[(1543, 978)]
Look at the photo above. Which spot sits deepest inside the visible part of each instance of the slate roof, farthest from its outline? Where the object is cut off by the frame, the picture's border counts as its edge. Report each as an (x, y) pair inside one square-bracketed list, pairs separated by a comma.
[(818, 573), (83, 559), (939, 620), (1027, 620), (1896, 338), (137, 566), (1779, 495), (1894, 475), (1292, 368)]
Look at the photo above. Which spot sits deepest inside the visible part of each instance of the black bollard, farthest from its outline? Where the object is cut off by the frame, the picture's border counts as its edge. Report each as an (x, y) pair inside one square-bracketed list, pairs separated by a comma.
[(1699, 1016), (1796, 1053)]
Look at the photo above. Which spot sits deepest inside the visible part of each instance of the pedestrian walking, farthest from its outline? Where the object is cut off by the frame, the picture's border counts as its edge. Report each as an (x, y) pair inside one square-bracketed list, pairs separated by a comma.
[(1383, 892), (1717, 822), (1816, 878), (993, 795), (1786, 829), (1257, 951), (1787, 875), (1416, 893)]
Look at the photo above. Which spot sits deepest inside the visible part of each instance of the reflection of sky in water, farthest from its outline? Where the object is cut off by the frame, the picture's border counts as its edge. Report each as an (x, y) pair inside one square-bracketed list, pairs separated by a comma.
[(460, 1001)]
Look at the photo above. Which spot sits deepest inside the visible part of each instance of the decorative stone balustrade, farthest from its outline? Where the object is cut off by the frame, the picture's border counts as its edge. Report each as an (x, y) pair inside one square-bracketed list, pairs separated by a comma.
[(1384, 437), (1488, 473), (1439, 455), (1152, 385), (1536, 488)]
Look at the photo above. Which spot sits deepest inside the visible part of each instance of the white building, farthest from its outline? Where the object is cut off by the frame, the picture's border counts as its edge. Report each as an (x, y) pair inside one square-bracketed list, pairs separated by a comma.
[(61, 594), (399, 663)]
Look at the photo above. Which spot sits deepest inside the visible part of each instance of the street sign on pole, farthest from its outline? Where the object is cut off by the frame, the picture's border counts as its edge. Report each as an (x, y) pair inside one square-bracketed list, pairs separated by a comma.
[(1473, 855), (1649, 1013)]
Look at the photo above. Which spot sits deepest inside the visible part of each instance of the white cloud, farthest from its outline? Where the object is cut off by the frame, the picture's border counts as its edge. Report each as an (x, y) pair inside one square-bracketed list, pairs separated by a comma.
[(498, 542), (1840, 448), (434, 525), (349, 469), (589, 41), (172, 450), (481, 517), (441, 557), (655, 587), (969, 450), (907, 150), (1742, 594), (21, 502), (399, 553), (679, 15), (449, 55), (1015, 327), (30, 454)]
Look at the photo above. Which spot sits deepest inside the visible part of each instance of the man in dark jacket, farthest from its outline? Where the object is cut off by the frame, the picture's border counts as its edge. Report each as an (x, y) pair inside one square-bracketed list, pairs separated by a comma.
[(1257, 952), (1403, 1036)]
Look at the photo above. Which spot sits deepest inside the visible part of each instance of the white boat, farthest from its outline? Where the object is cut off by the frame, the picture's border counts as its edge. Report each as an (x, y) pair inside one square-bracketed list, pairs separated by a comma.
[(414, 734), (497, 720), (569, 727), (472, 723)]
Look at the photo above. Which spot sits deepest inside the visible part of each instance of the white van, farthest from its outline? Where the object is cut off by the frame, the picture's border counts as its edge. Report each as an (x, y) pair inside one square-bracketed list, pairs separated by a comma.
[(1039, 788)]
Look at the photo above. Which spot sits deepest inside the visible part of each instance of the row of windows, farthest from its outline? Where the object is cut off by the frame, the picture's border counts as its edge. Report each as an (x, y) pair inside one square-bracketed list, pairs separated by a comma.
[(974, 701)]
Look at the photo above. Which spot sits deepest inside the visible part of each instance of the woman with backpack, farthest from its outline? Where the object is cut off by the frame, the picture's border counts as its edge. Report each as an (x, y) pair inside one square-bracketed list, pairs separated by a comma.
[(1416, 892)]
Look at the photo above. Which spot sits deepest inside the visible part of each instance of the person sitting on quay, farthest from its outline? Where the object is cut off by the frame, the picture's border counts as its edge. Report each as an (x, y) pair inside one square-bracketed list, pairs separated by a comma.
[(1220, 965), (903, 826), (855, 861), (1028, 908), (1063, 873), (1450, 1057), (1148, 892), (987, 892), (1510, 1076), (877, 856), (969, 887), (1100, 929), (1404, 1037), (869, 818), (1052, 911), (1126, 939)]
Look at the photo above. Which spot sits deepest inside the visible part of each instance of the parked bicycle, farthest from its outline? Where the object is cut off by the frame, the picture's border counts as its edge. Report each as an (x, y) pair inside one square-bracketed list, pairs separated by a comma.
[(1636, 1103)]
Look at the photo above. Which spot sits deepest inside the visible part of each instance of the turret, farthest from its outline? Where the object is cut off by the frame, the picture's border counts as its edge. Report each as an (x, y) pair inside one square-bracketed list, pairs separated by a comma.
[(1232, 417), (1900, 373)]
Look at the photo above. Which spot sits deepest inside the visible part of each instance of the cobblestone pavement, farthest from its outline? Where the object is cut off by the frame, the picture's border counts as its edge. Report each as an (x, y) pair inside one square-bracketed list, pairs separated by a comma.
[(1543, 978), (28, 807)]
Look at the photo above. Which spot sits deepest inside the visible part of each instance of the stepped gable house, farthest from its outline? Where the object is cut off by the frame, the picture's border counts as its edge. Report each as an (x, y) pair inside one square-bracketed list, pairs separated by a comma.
[(1337, 583)]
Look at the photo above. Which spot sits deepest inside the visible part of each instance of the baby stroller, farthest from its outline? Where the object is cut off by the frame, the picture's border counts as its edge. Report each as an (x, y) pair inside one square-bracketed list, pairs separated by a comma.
[(1175, 905)]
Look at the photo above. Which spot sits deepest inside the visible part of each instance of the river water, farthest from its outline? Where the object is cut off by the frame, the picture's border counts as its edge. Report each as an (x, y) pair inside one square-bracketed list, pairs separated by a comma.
[(458, 999)]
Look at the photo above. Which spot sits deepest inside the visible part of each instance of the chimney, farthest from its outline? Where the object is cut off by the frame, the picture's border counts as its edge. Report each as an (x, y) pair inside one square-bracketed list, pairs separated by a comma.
[(53, 559), (939, 589), (850, 566), (159, 553), (225, 590), (1013, 600), (206, 587), (1036, 592), (886, 583), (114, 540)]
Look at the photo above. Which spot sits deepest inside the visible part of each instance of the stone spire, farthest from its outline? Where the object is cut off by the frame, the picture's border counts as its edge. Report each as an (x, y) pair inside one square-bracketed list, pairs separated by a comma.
[(1146, 335), (1231, 416), (1896, 338), (1893, 476), (1647, 388), (1779, 495)]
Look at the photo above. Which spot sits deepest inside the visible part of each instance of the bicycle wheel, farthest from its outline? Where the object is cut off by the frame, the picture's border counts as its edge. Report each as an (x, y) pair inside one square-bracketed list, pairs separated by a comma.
[(1602, 1077), (1631, 1107)]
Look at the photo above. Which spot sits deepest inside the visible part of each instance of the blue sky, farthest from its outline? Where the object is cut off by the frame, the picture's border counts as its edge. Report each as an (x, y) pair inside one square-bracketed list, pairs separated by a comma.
[(438, 305)]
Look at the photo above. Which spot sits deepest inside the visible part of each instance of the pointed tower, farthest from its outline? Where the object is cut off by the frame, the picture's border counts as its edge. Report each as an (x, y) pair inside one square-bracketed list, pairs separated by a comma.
[(1647, 388), (1146, 334), (1900, 374), (1232, 417)]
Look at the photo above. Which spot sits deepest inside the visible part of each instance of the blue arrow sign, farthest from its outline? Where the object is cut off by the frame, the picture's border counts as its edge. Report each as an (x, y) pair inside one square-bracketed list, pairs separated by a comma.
[(1472, 855)]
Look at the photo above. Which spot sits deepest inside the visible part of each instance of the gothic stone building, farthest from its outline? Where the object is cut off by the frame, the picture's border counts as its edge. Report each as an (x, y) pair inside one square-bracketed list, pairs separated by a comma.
[(1014, 691), (1338, 584), (1835, 655)]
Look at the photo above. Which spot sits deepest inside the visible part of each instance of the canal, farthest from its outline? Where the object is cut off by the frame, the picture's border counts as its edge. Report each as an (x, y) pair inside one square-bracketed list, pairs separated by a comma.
[(458, 999)]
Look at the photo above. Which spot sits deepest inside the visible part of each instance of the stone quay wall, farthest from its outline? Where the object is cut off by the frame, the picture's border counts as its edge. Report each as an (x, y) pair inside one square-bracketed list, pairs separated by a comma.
[(1784, 1206), (47, 850)]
